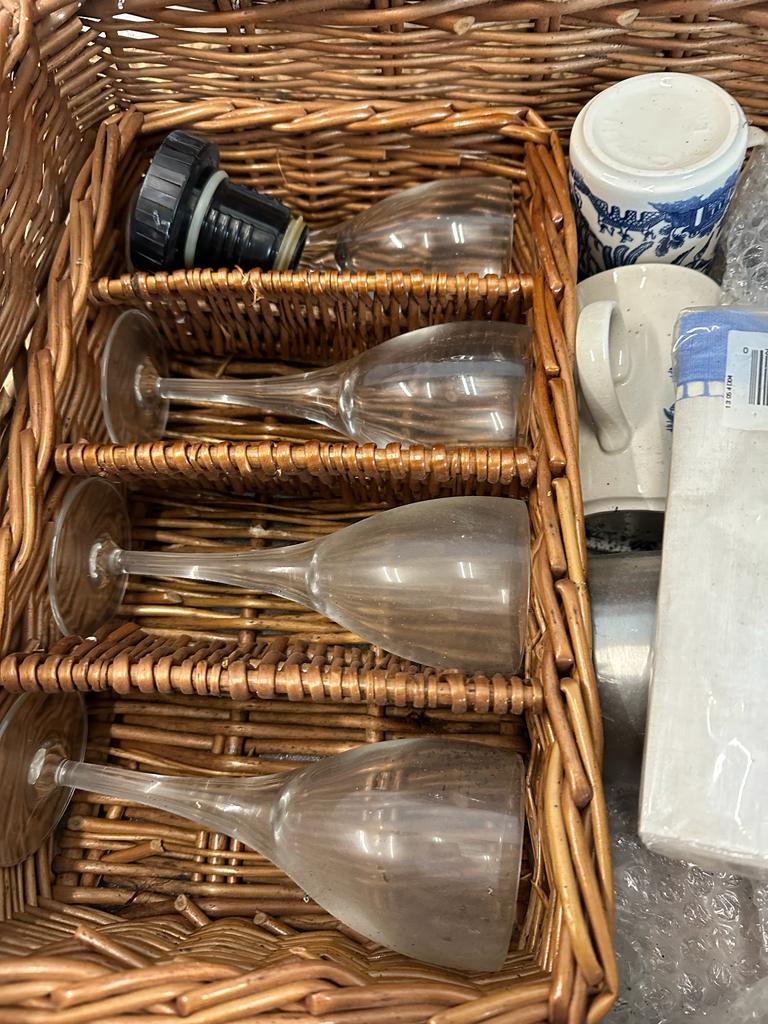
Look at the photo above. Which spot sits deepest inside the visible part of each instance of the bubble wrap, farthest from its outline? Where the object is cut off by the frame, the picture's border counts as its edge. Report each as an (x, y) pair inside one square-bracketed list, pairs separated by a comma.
[(744, 242), (691, 946)]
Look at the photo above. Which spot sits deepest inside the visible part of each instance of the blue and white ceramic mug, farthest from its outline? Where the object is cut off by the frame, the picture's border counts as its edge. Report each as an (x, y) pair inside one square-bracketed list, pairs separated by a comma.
[(654, 162)]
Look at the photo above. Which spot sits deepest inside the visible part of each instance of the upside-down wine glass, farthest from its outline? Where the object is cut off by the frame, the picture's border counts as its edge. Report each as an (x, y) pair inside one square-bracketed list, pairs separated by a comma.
[(414, 843), (453, 383), (442, 582)]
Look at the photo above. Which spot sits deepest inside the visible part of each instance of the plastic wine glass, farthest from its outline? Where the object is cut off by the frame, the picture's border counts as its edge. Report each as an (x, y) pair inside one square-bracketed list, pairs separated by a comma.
[(452, 226), (454, 383), (413, 843), (442, 582)]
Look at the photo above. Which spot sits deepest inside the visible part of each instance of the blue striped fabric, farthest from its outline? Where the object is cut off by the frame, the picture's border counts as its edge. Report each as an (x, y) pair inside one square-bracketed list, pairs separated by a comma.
[(701, 346)]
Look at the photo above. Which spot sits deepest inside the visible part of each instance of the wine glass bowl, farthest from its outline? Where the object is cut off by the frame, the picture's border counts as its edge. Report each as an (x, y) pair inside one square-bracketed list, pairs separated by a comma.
[(465, 382), (459, 383), (414, 843), (394, 820), (456, 225), (443, 582)]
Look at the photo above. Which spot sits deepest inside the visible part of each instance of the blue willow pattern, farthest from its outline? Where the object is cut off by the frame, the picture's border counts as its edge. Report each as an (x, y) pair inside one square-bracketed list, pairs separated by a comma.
[(665, 227)]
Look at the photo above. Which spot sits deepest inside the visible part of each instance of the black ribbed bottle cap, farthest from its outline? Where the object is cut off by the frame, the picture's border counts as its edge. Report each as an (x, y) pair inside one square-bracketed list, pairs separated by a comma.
[(167, 199), (187, 213)]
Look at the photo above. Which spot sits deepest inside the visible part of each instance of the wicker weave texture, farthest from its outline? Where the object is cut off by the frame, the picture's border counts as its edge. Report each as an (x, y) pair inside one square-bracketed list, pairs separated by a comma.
[(332, 105), (308, 318), (184, 654), (552, 55), (160, 948), (43, 151)]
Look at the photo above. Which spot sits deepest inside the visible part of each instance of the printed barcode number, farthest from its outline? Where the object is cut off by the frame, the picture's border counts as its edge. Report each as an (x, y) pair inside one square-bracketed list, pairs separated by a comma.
[(745, 387), (758, 376)]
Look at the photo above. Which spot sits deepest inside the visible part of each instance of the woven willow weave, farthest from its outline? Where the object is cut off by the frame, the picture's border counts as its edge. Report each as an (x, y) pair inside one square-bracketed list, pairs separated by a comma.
[(131, 914)]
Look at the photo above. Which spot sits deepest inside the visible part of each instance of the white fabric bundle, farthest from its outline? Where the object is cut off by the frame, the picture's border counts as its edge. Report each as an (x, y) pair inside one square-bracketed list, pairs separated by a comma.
[(705, 773)]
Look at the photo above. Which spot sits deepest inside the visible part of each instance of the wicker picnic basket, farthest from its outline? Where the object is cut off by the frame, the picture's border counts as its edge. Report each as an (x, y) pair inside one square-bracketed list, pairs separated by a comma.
[(129, 914)]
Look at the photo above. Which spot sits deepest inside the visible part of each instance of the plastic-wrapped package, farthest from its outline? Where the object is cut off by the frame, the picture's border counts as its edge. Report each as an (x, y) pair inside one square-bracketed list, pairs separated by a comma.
[(743, 249), (750, 1005), (705, 772), (691, 946)]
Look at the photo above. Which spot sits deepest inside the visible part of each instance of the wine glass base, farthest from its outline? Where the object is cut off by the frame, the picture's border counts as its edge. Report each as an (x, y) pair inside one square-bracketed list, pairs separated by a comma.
[(36, 733), (134, 359), (84, 588)]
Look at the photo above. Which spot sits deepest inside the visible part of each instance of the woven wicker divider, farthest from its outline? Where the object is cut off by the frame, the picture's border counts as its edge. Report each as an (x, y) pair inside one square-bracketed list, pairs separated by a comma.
[(354, 472), (301, 317), (313, 317), (286, 667), (328, 159), (546, 54)]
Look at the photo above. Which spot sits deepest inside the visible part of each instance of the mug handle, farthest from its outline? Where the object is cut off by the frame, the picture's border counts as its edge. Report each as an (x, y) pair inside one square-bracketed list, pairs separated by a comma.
[(596, 380)]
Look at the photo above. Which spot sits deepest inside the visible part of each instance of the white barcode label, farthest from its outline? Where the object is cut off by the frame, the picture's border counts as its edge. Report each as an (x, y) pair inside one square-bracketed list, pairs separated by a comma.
[(746, 381), (758, 377)]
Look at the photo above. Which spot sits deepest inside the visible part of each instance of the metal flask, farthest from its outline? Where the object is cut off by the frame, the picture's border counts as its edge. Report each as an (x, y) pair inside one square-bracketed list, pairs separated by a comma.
[(623, 590)]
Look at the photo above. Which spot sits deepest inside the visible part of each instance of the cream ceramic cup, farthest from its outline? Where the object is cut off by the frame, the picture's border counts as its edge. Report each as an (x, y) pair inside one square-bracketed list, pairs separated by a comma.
[(624, 359), (654, 161)]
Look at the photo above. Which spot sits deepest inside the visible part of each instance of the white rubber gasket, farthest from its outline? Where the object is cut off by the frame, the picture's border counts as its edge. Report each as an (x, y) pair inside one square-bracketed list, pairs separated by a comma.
[(288, 245), (198, 216)]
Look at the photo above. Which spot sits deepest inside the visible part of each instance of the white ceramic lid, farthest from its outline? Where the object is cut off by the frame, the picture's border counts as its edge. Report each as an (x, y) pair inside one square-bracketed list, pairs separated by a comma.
[(662, 124)]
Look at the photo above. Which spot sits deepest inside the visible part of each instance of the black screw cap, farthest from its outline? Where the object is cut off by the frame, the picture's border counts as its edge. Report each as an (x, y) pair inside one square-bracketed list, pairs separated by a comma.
[(187, 213)]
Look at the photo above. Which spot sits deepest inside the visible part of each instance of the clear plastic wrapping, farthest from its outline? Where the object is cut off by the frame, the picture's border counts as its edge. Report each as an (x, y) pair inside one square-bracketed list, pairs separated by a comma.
[(692, 946), (705, 774), (744, 241)]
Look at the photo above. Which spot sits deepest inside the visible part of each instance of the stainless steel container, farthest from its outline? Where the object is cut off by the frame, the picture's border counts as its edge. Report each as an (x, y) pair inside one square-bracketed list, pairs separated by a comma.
[(623, 590)]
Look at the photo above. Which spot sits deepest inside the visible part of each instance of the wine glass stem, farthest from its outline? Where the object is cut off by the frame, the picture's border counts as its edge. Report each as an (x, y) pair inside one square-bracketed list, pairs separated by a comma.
[(310, 396), (220, 804), (280, 571)]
